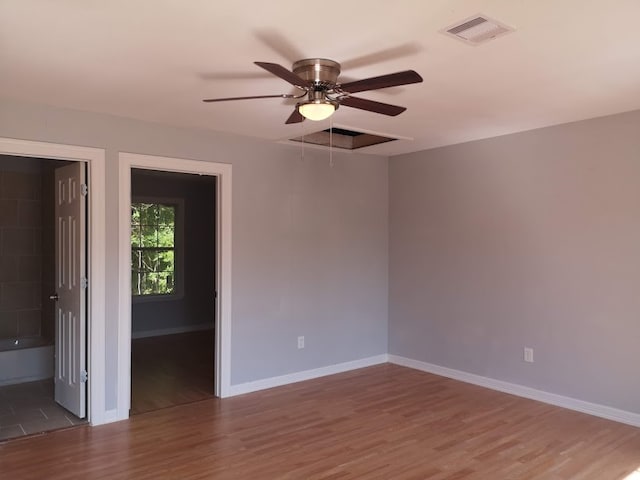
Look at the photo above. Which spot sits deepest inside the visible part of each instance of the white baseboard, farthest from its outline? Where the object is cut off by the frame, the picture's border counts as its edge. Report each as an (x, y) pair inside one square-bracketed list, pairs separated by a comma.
[(31, 378), (265, 383), (595, 409), (172, 331)]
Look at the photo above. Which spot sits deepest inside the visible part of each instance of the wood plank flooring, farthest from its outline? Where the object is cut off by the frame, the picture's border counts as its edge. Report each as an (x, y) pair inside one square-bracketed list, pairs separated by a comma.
[(171, 370), (382, 422)]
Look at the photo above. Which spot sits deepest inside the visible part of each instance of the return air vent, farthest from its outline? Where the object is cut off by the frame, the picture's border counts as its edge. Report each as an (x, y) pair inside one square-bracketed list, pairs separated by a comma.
[(343, 138), (477, 29)]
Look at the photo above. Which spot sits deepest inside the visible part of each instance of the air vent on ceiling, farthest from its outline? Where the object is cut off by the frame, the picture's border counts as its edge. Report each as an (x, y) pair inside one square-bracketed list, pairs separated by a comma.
[(477, 29), (343, 138)]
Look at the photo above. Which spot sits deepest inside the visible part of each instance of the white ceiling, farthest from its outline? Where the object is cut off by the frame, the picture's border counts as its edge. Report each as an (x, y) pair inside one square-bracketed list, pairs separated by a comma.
[(156, 60)]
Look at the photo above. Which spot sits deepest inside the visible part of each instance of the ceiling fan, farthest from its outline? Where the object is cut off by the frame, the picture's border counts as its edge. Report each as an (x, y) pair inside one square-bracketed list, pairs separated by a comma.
[(317, 78)]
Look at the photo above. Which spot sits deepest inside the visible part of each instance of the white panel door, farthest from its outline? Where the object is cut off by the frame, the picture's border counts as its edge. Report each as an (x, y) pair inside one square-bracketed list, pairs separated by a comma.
[(70, 360)]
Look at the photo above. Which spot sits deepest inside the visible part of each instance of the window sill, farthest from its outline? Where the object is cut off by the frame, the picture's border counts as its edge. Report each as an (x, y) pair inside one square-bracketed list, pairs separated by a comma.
[(156, 298)]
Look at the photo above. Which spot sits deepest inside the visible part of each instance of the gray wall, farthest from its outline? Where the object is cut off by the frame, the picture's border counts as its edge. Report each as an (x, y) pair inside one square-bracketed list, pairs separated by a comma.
[(195, 306), (532, 240), (309, 243)]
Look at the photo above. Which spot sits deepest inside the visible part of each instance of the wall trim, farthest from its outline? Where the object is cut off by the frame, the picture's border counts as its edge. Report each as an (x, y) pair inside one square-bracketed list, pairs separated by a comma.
[(171, 331), (108, 416), (17, 380), (95, 159), (595, 409), (263, 384), (222, 171)]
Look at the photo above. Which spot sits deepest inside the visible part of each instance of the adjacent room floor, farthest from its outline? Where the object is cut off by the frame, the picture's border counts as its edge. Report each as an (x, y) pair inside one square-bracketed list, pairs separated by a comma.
[(171, 370), (29, 408)]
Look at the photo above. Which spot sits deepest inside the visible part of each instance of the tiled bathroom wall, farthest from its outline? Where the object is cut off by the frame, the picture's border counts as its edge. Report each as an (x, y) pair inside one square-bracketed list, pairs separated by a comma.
[(48, 251), (21, 252)]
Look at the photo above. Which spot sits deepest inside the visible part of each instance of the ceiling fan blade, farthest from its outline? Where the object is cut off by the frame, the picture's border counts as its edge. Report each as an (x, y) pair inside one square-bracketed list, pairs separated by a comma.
[(279, 44), (392, 53), (233, 75), (371, 106), (383, 81), (283, 73), (284, 95), (295, 117)]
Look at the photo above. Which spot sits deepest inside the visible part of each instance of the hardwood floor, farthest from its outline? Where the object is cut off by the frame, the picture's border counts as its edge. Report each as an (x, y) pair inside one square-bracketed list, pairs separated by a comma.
[(171, 370), (382, 422)]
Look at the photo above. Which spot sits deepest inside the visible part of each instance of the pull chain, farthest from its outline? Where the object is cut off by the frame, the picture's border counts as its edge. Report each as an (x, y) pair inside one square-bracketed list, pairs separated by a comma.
[(302, 153), (331, 142)]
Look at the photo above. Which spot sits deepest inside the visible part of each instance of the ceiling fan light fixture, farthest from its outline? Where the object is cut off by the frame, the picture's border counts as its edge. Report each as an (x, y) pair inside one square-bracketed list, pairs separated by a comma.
[(317, 110)]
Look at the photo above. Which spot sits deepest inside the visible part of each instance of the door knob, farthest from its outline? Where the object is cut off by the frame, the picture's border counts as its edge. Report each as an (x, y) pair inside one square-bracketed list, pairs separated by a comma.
[(54, 297)]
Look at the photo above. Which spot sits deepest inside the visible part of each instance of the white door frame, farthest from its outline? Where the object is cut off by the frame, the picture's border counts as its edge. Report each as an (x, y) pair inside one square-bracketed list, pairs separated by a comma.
[(95, 159), (127, 161)]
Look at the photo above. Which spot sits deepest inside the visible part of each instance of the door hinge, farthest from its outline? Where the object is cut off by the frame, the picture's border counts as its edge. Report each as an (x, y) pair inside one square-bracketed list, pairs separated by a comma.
[(84, 376), (84, 283), (84, 189)]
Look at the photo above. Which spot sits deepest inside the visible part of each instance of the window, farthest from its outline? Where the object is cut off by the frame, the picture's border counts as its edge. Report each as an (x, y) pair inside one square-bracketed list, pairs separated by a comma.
[(154, 253)]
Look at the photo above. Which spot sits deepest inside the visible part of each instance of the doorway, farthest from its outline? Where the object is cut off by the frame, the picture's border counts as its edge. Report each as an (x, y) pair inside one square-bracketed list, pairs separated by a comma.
[(40, 370), (173, 219), (222, 274), (98, 411)]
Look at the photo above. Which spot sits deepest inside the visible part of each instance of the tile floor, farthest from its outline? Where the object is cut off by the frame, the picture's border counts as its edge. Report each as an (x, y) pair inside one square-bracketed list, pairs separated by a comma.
[(29, 408)]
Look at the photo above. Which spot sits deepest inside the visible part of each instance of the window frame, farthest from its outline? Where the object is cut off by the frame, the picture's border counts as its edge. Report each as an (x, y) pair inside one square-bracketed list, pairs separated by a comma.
[(178, 293)]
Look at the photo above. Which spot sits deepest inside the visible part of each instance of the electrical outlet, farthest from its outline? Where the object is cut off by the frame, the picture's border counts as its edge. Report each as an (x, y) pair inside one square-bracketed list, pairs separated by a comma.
[(528, 354), (301, 342)]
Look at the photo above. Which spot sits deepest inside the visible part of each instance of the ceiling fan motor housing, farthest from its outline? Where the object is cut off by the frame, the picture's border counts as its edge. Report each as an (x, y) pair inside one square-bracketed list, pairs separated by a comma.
[(321, 72)]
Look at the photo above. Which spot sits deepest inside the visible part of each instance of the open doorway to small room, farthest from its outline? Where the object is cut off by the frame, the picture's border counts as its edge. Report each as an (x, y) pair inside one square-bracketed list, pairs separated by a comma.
[(173, 252), (29, 326)]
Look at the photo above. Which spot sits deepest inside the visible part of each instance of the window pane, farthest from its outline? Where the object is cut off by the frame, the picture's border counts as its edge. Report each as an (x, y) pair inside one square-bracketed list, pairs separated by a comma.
[(166, 215), (170, 281), (148, 284), (136, 240), (164, 283), (165, 237), (149, 236), (136, 278), (148, 213), (165, 261), (149, 261), (135, 260), (135, 214)]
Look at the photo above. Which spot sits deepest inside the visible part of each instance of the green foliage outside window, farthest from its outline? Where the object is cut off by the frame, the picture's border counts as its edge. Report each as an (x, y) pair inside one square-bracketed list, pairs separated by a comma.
[(153, 252)]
